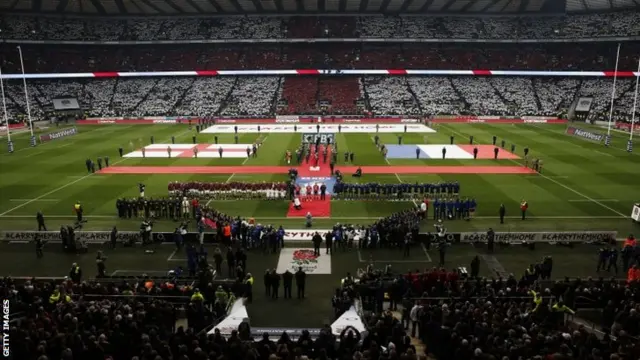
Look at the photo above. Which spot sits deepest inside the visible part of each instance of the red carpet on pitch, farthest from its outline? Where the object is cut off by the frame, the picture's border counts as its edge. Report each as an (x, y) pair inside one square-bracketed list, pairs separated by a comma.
[(317, 208), (323, 169)]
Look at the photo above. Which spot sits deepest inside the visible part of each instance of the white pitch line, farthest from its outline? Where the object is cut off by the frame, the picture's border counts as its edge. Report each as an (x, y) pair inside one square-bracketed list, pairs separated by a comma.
[(603, 153), (23, 200), (234, 174), (389, 163), (581, 194), (383, 261), (59, 216), (172, 254), (610, 147), (119, 271), (424, 249), (550, 176), (561, 184), (67, 185), (50, 192), (601, 200), (34, 154)]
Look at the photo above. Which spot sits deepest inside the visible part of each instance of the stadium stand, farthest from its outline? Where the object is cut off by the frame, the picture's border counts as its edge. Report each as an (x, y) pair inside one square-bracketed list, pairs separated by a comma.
[(256, 96), (538, 27), (480, 318), (251, 97), (129, 318), (49, 59)]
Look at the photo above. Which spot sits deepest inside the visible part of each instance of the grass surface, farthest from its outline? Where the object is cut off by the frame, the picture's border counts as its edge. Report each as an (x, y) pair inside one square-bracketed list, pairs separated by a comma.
[(584, 186)]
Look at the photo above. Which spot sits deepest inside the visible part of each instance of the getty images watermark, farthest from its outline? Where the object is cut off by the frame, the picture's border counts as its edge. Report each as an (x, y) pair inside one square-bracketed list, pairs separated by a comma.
[(6, 343)]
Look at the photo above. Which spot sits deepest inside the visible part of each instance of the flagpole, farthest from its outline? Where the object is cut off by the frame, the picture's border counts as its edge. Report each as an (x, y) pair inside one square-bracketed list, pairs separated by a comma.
[(6, 116), (633, 113), (607, 141), (26, 97)]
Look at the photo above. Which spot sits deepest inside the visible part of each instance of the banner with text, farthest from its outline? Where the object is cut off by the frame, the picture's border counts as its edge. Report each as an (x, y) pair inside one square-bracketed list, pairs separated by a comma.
[(532, 237), (343, 119), (311, 138), (99, 237), (58, 134), (287, 119), (584, 134), (498, 120), (584, 104), (66, 104)]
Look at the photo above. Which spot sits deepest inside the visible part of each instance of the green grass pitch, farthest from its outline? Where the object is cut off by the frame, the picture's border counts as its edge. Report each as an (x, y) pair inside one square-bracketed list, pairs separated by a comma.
[(584, 186)]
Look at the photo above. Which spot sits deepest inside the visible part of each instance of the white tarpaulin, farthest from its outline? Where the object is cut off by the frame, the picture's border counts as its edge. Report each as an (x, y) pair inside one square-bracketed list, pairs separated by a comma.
[(237, 314), (349, 319)]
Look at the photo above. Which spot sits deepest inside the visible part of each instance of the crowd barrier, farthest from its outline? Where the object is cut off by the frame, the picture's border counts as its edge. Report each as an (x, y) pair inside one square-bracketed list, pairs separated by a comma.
[(316, 72), (301, 235)]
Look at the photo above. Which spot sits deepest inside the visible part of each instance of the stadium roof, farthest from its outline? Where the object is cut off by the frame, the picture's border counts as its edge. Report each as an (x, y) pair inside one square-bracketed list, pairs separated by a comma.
[(198, 7)]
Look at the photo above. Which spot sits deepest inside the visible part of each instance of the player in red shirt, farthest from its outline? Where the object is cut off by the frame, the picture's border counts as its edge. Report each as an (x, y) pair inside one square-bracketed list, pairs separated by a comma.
[(316, 191), (309, 194)]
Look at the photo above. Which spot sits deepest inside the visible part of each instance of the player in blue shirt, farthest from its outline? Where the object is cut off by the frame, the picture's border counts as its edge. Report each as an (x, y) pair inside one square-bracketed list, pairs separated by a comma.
[(458, 207), (472, 207), (450, 209), (436, 208), (467, 207)]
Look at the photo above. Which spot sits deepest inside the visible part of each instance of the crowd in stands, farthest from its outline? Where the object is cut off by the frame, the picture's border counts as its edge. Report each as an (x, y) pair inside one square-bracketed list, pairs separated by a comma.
[(441, 56), (248, 96), (460, 317), (135, 29), (110, 318)]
